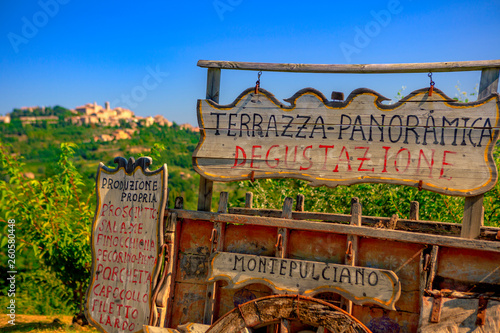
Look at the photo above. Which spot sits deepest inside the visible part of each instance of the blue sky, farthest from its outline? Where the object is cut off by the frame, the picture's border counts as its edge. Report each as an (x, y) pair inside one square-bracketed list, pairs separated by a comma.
[(143, 55)]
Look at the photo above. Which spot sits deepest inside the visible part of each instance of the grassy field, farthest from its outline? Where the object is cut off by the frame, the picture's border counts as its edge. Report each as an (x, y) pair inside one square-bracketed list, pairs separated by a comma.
[(45, 324)]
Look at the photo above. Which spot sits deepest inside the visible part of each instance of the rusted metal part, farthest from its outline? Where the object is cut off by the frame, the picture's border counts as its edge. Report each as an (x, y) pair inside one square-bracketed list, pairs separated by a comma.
[(481, 311), (462, 295), (213, 237), (396, 235), (349, 251), (436, 309)]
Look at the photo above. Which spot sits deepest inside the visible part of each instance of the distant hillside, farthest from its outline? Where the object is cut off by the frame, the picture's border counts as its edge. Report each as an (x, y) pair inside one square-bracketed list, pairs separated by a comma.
[(39, 144)]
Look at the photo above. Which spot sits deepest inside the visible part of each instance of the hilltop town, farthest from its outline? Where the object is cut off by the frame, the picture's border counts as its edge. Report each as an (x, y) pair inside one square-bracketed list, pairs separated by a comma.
[(93, 114)]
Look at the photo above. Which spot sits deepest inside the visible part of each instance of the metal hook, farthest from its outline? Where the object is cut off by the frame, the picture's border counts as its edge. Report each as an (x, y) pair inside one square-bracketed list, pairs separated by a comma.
[(213, 237), (279, 242), (257, 84), (432, 84)]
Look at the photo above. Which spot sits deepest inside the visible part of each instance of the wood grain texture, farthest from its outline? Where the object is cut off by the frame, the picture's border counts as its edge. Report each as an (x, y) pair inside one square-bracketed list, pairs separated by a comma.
[(283, 233), (432, 143), (473, 208), (452, 66), (217, 244), (206, 186), (429, 227), (459, 315), (363, 231), (352, 245), (272, 309), (473, 217), (248, 200), (358, 284)]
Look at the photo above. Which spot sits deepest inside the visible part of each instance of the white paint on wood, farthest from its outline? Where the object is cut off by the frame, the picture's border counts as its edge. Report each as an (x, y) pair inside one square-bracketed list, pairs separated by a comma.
[(126, 243), (359, 284), (432, 142)]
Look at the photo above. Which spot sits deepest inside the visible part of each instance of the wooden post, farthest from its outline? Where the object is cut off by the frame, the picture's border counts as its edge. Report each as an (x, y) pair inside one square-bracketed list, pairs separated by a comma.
[(206, 186), (352, 245), (473, 208), (414, 210), (174, 250), (249, 200), (217, 239), (299, 206), (282, 237)]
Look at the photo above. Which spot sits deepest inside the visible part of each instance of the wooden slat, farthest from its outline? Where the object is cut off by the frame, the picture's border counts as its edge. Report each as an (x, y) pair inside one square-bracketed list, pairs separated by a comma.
[(451, 66), (217, 245), (249, 200), (174, 255), (431, 227), (432, 267), (242, 141), (395, 235), (206, 186), (488, 83), (473, 208), (473, 217), (414, 210), (283, 233), (351, 256), (299, 206)]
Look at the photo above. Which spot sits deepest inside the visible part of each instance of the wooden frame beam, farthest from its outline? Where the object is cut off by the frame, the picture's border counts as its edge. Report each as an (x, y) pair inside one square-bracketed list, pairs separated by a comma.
[(450, 66), (393, 235)]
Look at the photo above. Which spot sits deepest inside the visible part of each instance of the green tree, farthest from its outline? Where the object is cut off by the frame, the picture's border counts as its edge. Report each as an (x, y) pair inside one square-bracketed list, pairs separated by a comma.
[(53, 219)]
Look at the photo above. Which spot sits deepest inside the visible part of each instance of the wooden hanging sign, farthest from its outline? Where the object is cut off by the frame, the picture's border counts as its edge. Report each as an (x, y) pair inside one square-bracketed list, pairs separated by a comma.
[(126, 243), (430, 142), (290, 276)]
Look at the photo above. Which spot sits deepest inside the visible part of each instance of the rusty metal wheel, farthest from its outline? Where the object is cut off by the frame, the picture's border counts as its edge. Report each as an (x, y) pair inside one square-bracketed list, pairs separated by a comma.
[(283, 309)]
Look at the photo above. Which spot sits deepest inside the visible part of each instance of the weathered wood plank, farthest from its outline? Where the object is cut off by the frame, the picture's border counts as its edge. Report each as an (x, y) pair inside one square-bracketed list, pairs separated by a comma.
[(283, 233), (345, 229), (459, 315), (473, 217), (217, 239), (488, 83), (163, 300), (126, 242), (174, 254), (473, 208), (249, 200), (414, 210), (432, 143), (299, 207), (269, 310), (432, 267), (431, 227), (206, 186), (351, 255), (436, 67)]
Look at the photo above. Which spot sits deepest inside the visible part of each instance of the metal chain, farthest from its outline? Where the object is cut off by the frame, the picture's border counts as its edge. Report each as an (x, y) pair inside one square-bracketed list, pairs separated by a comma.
[(432, 83), (257, 84)]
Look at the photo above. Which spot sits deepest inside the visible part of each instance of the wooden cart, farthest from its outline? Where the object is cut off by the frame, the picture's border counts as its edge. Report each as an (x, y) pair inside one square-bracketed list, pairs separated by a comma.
[(262, 270)]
